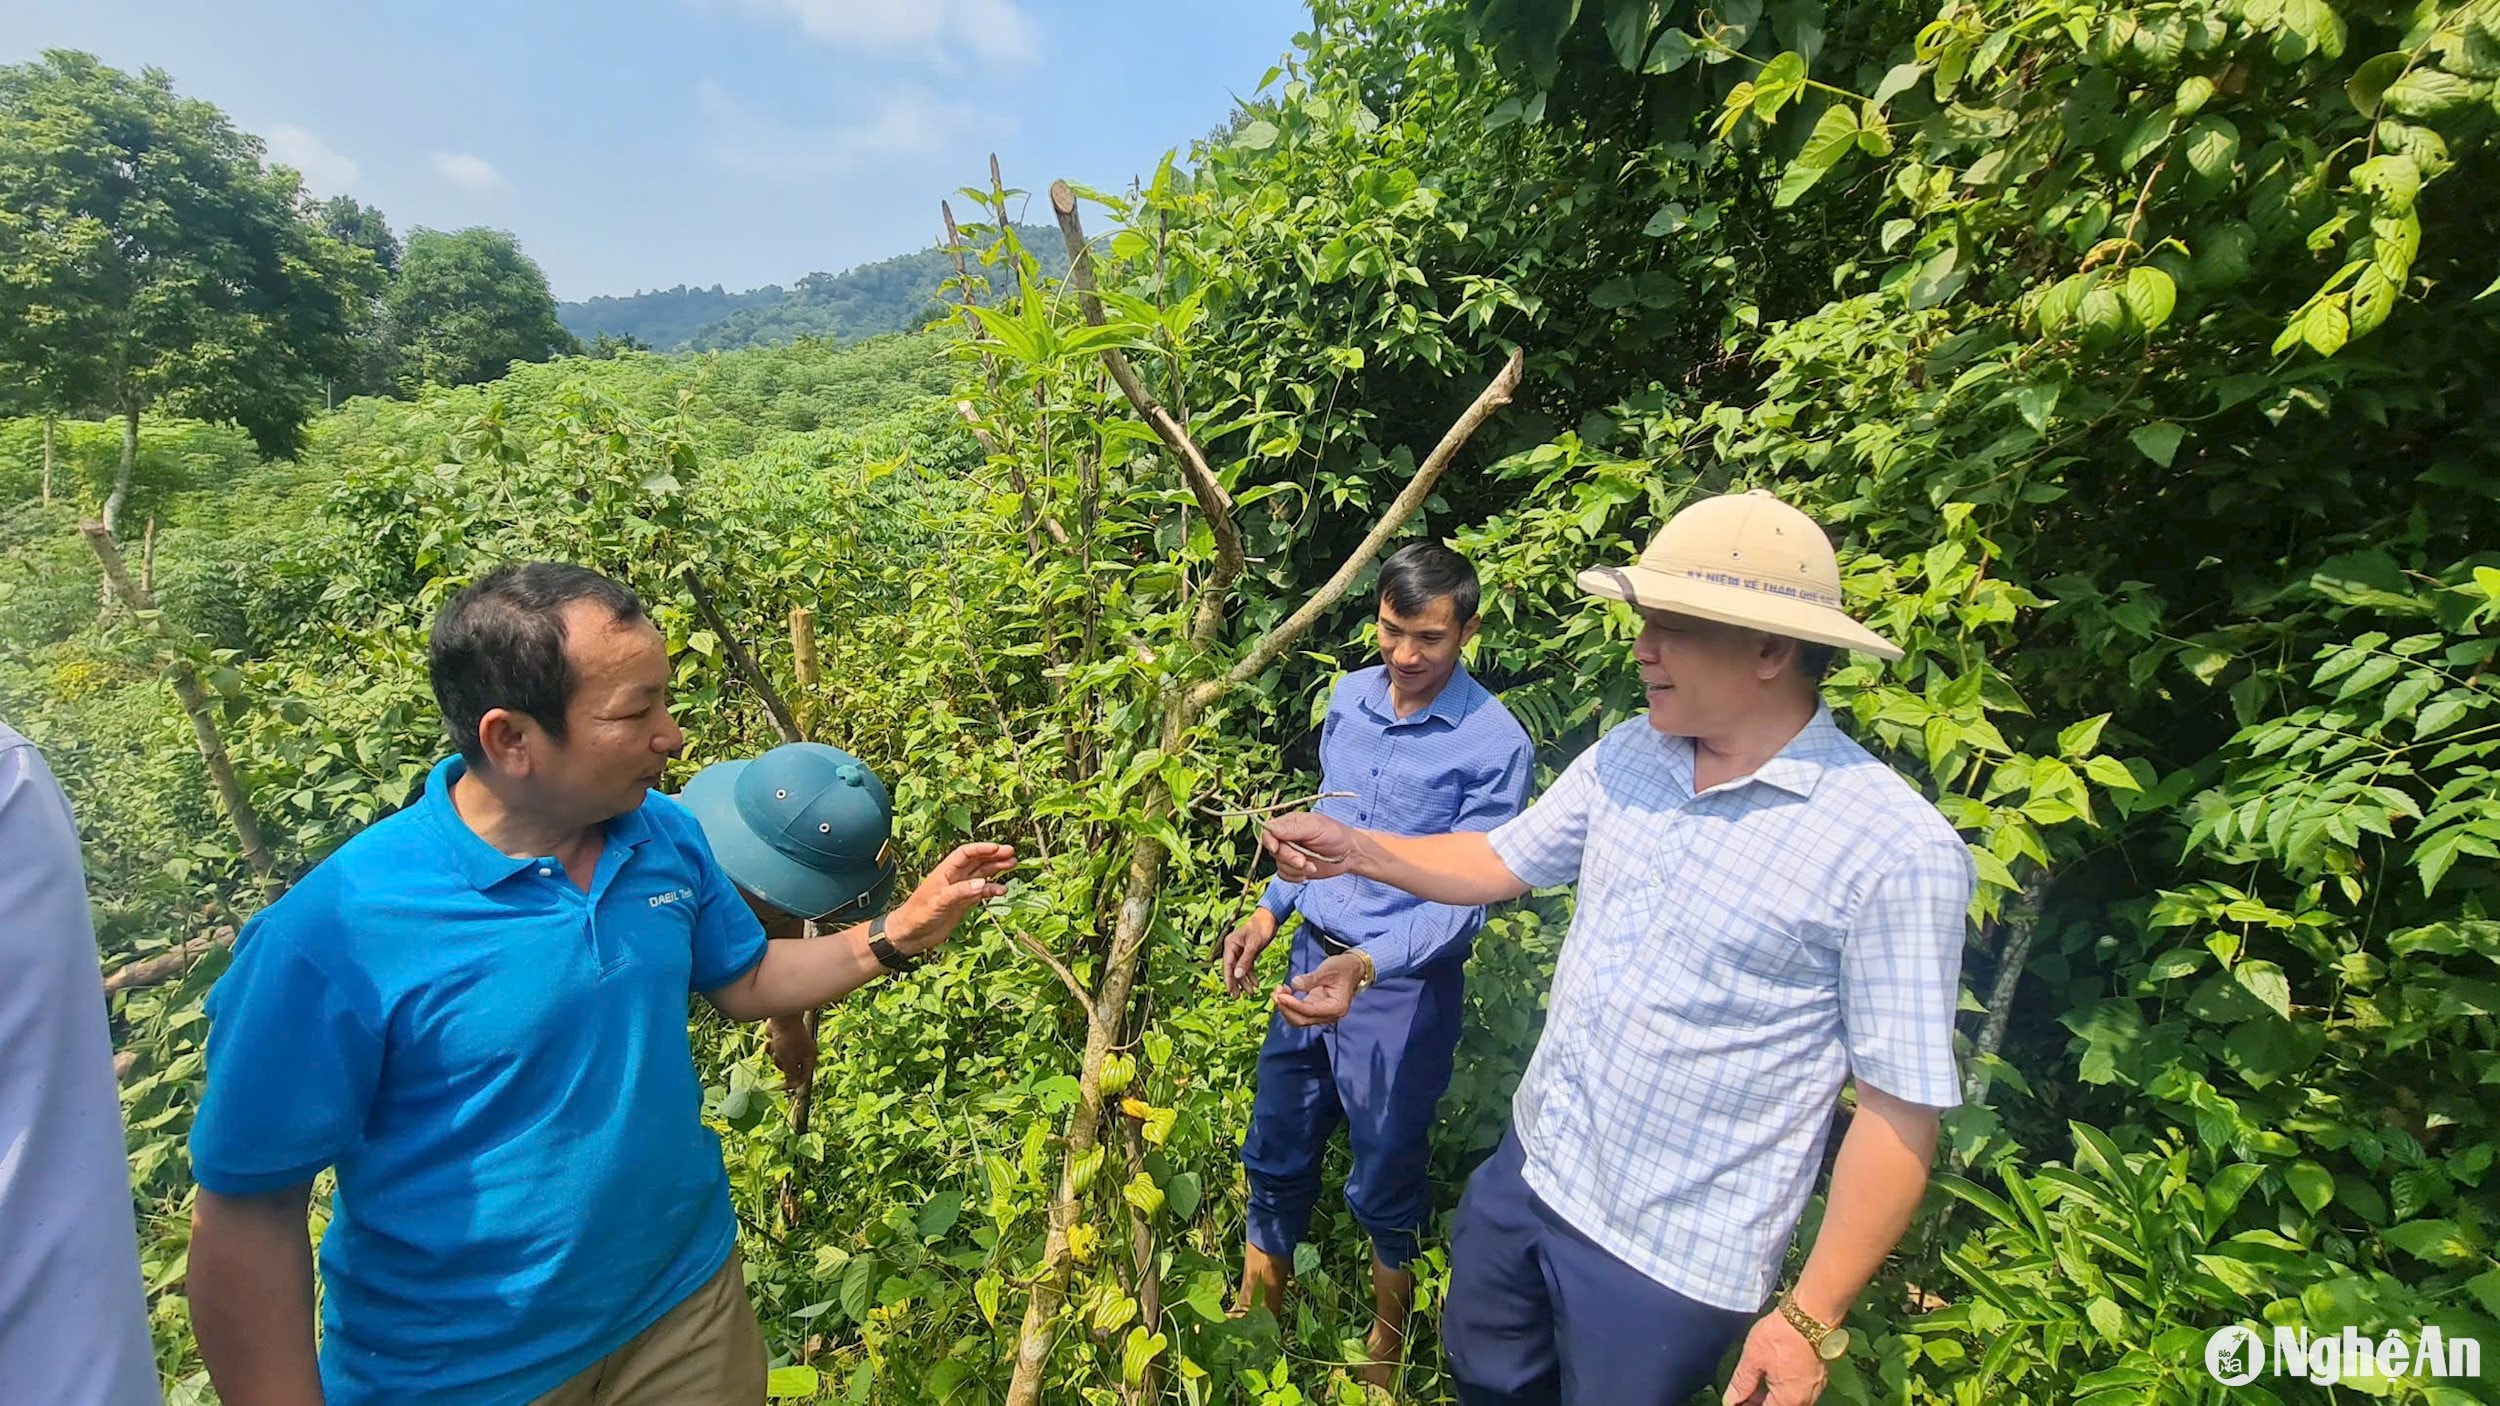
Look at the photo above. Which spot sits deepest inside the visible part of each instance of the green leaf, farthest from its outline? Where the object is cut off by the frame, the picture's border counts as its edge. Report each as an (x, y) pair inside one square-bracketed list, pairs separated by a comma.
[(2145, 137), (2194, 92), (2441, 714), (940, 1215), (2392, 177), (1899, 79), (1257, 136), (1140, 1349), (2485, 1287), (1181, 1193), (2176, 963), (2440, 1242), (1779, 83), (1627, 31), (2266, 982), (2103, 312), (2268, 1049), (1674, 49), (2368, 84), (2429, 92), (2036, 402), (1937, 279), (1834, 133), (2373, 298), (2150, 296), (2078, 739), (2327, 328), (1670, 218), (2312, 1184), (2112, 774), (784, 1383), (859, 1285), (2213, 147), (2158, 441), (2107, 1319)]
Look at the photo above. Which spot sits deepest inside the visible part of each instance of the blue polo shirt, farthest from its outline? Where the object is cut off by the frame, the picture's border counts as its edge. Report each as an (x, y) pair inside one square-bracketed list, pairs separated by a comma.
[(496, 1063)]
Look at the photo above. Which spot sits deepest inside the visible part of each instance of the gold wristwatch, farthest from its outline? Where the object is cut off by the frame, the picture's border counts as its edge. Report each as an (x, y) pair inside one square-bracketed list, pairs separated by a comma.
[(1829, 1340)]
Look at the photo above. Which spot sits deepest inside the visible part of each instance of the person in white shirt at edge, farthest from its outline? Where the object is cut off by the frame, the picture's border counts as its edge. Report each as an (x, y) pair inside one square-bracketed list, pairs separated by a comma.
[(1765, 911), (73, 1314)]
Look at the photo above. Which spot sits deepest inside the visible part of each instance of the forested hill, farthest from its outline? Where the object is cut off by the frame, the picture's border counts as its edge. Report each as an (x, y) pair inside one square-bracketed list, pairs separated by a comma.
[(899, 294), (663, 317)]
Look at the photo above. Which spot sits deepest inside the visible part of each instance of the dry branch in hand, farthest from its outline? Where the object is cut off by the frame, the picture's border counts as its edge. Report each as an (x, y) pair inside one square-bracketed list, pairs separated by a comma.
[(1280, 805)]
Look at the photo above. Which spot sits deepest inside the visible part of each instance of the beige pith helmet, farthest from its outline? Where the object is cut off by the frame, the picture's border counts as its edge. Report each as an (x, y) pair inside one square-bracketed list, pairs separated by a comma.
[(1743, 559)]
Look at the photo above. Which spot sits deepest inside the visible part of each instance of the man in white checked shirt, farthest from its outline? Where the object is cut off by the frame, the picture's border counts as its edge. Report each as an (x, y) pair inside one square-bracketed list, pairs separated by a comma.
[(1765, 912)]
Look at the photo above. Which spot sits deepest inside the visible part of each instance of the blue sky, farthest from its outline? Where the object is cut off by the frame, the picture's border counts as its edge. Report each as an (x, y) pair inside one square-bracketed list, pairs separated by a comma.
[(646, 143)]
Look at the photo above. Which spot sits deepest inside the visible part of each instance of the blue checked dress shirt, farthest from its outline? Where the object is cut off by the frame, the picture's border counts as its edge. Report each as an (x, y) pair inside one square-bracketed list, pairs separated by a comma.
[(1734, 956), (1461, 762)]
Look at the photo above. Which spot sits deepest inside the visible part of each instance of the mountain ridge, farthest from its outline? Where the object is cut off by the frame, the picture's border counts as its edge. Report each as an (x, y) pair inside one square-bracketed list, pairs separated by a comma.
[(896, 294)]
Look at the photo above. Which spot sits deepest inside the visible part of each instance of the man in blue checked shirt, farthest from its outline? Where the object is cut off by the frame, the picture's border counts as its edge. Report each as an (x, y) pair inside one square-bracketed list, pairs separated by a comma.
[(1415, 746), (1765, 912)]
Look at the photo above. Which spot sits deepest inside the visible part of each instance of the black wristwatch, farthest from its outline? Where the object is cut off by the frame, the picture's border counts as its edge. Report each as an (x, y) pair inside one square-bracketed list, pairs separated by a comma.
[(887, 954)]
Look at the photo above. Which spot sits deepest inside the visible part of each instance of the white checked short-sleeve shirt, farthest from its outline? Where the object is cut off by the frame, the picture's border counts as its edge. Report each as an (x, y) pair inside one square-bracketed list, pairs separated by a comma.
[(1734, 956)]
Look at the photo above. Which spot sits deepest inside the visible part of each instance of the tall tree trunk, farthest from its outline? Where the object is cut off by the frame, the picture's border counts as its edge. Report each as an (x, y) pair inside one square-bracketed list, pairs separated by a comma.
[(1128, 945), (195, 704)]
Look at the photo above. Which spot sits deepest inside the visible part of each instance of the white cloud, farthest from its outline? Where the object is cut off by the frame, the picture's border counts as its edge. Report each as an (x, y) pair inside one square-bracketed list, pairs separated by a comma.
[(905, 121), (996, 32), (322, 168), (466, 170)]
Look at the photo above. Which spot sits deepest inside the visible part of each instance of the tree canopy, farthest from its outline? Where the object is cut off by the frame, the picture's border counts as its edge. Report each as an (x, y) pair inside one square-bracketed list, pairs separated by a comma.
[(467, 305), (147, 257)]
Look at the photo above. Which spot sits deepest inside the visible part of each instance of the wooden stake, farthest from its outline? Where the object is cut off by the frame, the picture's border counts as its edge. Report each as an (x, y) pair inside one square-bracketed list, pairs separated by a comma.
[(803, 645)]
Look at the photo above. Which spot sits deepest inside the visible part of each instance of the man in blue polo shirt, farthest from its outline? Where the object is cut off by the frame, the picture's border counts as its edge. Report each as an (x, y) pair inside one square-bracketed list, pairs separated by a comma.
[(475, 1012), (1413, 745)]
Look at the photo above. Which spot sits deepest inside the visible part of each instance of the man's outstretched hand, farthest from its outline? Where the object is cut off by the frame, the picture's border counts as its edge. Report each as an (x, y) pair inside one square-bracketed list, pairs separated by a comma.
[(1310, 846), (1322, 995), (967, 877)]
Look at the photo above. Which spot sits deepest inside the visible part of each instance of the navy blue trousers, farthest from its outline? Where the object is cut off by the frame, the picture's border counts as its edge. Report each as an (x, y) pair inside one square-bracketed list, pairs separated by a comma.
[(1381, 1071), (1539, 1313)]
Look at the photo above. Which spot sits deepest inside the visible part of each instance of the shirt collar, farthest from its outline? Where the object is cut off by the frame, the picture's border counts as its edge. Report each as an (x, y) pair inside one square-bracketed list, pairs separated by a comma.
[(1795, 768), (1451, 705), (481, 863)]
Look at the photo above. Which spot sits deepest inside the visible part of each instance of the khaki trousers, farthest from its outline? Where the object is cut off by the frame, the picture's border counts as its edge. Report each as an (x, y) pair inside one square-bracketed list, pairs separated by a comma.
[(706, 1351)]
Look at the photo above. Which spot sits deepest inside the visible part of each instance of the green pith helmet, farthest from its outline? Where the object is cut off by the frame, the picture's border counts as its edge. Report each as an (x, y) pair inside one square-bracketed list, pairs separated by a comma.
[(804, 827)]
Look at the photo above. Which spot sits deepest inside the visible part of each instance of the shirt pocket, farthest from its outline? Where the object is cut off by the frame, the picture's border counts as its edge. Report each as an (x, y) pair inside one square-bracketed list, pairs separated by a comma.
[(1744, 963), (1415, 799)]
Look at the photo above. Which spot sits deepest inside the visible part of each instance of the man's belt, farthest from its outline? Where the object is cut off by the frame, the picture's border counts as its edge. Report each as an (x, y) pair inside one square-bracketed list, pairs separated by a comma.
[(1328, 941)]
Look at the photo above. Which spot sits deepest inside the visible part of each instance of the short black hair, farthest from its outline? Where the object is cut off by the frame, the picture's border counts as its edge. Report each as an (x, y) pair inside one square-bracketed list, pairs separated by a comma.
[(1420, 573), (499, 643), (1814, 661)]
